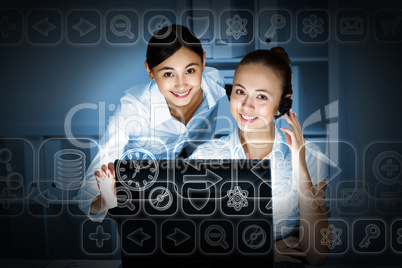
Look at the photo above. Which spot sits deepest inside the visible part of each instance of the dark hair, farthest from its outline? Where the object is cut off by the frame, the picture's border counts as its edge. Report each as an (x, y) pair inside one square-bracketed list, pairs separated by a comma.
[(277, 59), (169, 39)]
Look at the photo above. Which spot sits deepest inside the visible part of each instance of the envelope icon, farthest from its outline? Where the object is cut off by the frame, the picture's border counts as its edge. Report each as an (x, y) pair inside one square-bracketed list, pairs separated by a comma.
[(351, 25), (351, 197)]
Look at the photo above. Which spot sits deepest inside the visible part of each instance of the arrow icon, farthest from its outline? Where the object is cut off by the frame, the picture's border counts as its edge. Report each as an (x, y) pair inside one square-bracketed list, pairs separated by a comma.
[(84, 196), (44, 27), (45, 198), (84, 27), (194, 163), (269, 205), (210, 177), (262, 170), (138, 236), (334, 170), (84, 199), (178, 237)]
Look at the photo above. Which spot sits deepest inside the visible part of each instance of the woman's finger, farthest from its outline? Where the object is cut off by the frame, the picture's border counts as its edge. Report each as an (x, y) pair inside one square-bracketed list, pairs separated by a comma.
[(98, 174), (292, 115), (288, 140), (111, 169), (104, 168), (289, 120), (106, 171), (288, 131), (297, 123), (289, 136), (295, 117), (294, 122)]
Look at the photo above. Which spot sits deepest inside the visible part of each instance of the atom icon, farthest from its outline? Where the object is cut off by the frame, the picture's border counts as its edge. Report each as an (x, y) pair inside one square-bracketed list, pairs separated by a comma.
[(237, 198), (236, 27), (331, 236)]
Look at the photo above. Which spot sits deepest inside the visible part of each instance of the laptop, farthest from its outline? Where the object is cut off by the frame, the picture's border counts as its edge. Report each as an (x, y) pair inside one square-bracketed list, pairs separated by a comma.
[(194, 213)]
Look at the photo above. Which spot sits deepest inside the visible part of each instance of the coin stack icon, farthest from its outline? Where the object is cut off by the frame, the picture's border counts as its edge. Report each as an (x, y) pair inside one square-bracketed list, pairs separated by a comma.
[(69, 169)]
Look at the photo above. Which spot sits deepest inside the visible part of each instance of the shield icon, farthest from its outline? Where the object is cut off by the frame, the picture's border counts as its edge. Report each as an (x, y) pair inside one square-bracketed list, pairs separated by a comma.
[(285, 230), (198, 198), (200, 25)]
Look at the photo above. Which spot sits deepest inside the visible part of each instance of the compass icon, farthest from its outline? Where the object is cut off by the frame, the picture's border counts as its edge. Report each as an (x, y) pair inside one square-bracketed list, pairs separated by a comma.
[(137, 169)]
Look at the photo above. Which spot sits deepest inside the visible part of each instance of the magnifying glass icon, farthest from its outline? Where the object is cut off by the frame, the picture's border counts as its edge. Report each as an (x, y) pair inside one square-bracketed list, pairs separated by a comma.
[(124, 200), (120, 25), (215, 236)]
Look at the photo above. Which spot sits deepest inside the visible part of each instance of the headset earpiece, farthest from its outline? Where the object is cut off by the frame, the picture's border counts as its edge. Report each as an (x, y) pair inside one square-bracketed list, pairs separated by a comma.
[(285, 105)]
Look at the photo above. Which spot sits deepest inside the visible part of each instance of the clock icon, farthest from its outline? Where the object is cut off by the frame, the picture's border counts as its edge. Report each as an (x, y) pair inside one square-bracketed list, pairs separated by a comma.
[(137, 169)]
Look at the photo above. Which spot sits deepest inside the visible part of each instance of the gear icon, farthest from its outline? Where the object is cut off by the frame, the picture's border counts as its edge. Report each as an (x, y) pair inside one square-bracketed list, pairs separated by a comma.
[(236, 27), (237, 198)]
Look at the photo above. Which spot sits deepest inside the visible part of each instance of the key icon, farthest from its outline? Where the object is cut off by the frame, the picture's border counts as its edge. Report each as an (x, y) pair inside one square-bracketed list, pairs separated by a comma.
[(278, 22), (372, 232)]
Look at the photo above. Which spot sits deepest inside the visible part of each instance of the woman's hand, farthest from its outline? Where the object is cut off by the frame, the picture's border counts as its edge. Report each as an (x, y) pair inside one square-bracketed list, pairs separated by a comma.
[(287, 249), (294, 136), (106, 180), (105, 172)]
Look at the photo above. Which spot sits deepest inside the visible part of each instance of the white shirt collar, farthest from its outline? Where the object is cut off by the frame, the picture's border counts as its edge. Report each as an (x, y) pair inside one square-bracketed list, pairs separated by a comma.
[(160, 112), (207, 85), (279, 148)]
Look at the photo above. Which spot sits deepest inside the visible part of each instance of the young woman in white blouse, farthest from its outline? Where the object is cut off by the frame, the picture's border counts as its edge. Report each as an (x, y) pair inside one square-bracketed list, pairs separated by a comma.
[(261, 94), (180, 103)]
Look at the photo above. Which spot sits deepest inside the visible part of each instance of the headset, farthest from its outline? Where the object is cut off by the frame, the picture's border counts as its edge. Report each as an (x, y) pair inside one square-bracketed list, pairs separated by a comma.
[(284, 106)]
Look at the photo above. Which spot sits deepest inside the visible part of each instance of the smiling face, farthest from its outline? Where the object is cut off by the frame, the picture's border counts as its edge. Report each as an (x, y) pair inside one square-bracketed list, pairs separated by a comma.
[(255, 97), (179, 77)]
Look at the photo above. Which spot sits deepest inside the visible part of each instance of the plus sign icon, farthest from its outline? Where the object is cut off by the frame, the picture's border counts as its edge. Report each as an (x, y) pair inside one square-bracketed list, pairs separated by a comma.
[(382, 167), (98, 237), (387, 167), (10, 26)]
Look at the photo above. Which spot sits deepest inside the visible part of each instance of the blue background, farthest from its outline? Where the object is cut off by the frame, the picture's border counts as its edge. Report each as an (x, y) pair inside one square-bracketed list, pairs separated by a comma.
[(41, 81)]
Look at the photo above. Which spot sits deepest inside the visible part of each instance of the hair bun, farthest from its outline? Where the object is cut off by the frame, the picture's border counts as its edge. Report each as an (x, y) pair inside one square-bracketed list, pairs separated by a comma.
[(280, 51)]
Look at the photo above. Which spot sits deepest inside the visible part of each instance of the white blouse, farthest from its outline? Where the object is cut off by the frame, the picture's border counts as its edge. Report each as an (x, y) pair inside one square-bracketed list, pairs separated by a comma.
[(284, 187)]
